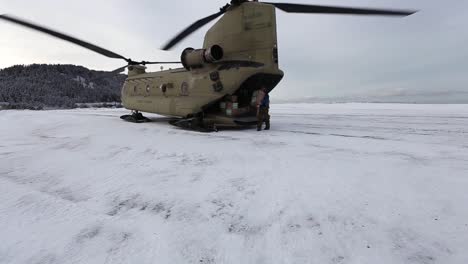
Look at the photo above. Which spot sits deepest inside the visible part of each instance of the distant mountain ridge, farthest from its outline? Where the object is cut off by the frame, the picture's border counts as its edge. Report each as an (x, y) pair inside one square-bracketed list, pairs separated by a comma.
[(40, 86), (449, 97)]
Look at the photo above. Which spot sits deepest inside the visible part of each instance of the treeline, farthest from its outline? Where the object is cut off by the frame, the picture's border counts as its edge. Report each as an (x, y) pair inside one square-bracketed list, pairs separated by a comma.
[(41, 86)]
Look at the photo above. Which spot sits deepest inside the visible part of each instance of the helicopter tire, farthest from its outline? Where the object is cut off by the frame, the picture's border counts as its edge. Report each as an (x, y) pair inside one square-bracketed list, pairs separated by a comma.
[(135, 118), (194, 124)]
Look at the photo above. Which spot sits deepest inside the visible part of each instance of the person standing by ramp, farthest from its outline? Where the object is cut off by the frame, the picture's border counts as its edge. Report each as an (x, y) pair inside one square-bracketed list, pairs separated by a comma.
[(263, 107)]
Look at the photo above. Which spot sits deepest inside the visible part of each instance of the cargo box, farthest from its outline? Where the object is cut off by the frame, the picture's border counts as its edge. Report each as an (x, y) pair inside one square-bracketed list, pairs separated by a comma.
[(253, 102), (238, 111), (231, 98)]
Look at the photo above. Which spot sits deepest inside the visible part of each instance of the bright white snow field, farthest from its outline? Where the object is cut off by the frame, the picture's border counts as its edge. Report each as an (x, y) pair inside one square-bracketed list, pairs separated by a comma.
[(338, 183)]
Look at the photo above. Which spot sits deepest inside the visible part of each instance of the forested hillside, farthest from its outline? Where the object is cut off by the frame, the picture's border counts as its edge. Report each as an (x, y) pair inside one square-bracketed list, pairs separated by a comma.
[(56, 86)]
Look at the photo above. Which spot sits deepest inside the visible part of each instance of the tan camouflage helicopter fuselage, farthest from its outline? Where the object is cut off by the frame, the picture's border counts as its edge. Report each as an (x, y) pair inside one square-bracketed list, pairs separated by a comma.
[(248, 39)]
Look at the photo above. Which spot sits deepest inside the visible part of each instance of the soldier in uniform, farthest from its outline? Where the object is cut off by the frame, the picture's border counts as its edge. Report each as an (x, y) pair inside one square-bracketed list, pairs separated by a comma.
[(263, 107)]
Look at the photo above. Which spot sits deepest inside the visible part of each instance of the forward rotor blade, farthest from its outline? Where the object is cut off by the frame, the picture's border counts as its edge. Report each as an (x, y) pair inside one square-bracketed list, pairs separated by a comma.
[(160, 62), (192, 28), (119, 70), (318, 9), (65, 37)]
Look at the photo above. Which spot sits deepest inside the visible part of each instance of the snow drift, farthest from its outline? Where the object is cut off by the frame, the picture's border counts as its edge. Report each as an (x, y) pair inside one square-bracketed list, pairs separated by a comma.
[(343, 183)]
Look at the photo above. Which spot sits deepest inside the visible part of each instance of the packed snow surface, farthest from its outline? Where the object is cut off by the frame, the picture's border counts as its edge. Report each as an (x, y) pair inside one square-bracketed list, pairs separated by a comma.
[(340, 183)]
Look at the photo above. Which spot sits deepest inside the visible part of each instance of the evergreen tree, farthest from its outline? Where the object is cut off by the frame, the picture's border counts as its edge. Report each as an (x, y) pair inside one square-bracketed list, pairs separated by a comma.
[(58, 86)]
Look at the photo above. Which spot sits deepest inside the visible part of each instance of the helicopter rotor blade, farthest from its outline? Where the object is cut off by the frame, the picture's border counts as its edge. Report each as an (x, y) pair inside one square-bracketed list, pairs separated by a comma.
[(193, 27), (121, 69), (81, 43), (318, 9), (65, 37), (159, 62)]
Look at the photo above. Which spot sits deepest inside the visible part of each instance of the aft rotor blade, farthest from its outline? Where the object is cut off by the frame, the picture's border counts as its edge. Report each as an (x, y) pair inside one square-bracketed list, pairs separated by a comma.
[(192, 28), (65, 37), (319, 9)]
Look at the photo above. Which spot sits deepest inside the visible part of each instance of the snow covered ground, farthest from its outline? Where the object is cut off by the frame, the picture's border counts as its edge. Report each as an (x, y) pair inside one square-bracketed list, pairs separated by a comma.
[(342, 183)]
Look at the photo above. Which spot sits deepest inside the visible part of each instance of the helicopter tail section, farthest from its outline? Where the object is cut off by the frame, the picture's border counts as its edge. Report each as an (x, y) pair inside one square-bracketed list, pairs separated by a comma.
[(247, 33)]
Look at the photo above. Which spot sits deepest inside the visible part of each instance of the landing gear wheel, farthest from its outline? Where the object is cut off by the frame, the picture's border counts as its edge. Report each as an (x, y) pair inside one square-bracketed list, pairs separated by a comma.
[(194, 123), (135, 117)]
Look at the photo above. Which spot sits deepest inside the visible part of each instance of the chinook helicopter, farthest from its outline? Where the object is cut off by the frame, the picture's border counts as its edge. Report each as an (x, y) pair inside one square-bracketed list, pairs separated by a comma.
[(217, 84)]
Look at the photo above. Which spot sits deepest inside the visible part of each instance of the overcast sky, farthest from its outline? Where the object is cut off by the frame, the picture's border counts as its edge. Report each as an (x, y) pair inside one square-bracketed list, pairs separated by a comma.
[(322, 55)]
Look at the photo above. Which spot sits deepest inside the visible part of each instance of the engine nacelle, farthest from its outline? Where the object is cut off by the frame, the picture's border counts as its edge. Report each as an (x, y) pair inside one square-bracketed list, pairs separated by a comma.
[(196, 58)]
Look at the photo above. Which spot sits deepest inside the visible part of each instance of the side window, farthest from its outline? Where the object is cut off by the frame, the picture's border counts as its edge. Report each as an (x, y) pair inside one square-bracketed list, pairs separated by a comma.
[(184, 91), (163, 88)]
